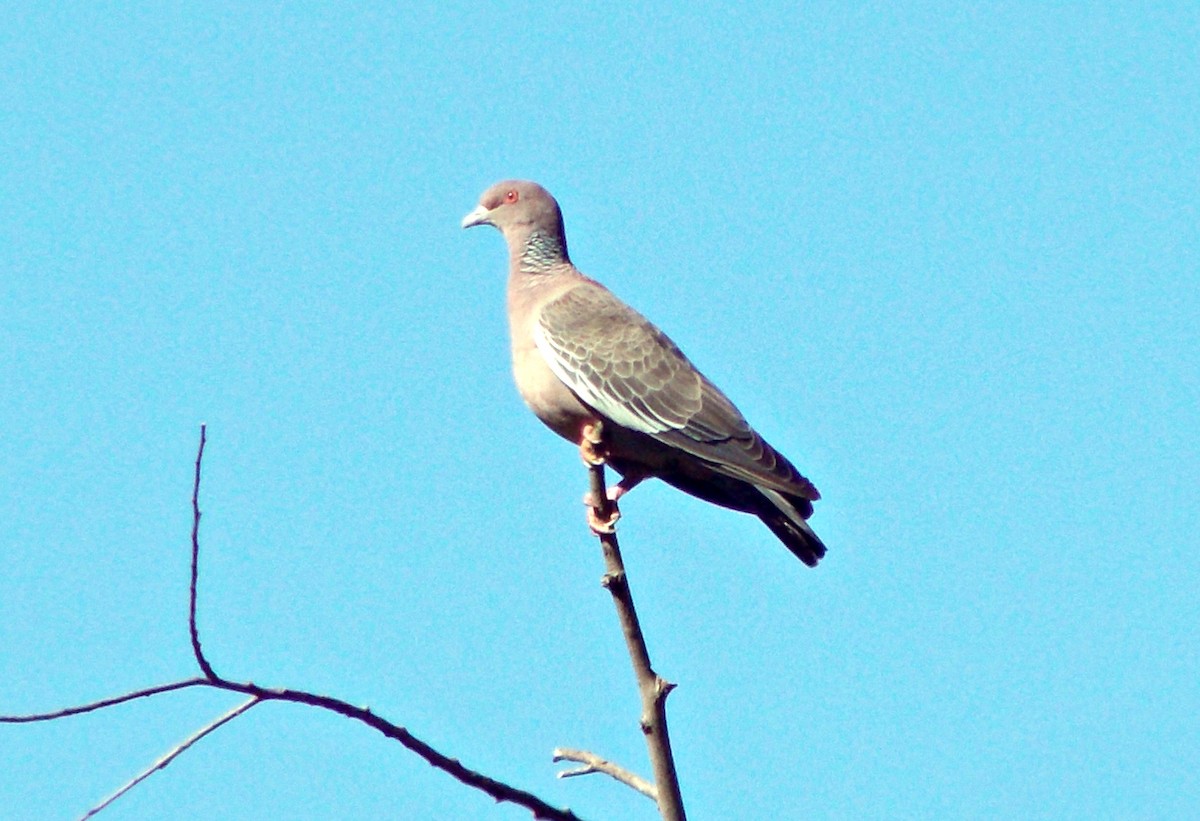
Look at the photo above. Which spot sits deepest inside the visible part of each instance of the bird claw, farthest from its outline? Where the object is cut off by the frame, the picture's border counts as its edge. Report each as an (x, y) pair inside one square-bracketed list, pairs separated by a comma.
[(591, 446), (601, 526)]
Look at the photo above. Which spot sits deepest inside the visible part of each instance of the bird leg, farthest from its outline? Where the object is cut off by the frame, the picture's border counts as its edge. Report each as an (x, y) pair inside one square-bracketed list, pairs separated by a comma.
[(628, 482), (602, 514)]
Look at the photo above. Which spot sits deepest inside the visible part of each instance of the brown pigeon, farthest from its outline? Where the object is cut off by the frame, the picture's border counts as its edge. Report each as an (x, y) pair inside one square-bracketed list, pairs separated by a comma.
[(582, 356)]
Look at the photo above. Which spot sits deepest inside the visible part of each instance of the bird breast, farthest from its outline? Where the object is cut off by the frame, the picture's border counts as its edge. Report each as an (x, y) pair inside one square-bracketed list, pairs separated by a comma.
[(545, 394), (549, 399)]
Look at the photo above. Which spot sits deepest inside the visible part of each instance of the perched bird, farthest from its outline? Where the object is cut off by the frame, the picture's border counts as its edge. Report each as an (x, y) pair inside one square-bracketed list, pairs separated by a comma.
[(582, 356)]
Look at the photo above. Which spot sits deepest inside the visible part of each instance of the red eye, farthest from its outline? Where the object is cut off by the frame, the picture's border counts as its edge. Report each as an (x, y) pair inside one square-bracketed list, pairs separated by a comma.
[(511, 196)]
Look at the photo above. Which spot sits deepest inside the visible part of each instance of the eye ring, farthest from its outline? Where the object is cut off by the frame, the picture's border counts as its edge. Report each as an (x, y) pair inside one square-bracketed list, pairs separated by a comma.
[(511, 196)]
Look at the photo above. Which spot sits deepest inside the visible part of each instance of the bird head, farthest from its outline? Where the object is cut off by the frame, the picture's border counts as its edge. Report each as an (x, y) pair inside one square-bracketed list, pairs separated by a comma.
[(518, 208)]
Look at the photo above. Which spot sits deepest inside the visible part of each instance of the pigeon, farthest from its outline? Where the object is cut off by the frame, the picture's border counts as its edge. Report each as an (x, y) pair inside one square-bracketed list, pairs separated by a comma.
[(581, 356)]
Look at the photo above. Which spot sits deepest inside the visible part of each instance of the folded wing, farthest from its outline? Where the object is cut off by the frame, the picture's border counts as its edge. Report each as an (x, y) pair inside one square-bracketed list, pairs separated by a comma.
[(618, 363)]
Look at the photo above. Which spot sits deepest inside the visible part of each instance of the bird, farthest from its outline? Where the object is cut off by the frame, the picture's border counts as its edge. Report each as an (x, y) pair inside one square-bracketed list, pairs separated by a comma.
[(582, 359)]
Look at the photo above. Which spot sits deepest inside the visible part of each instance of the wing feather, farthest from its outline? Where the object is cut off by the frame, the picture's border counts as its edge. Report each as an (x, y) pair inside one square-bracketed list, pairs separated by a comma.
[(622, 366)]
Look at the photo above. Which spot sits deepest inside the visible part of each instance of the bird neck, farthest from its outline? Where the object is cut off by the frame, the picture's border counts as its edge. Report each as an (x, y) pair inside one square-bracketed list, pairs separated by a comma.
[(540, 253)]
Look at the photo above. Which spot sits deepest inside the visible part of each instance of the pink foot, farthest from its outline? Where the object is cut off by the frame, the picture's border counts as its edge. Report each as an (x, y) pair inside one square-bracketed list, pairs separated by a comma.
[(591, 445), (602, 526), (597, 524)]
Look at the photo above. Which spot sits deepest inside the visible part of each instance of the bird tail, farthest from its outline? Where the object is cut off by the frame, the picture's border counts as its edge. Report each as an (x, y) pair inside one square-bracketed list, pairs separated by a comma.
[(785, 516)]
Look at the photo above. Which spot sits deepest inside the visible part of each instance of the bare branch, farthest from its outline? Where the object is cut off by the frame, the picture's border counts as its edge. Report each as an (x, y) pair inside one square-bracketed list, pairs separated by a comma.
[(652, 688), (172, 754), (595, 764), (205, 667), (498, 790), (107, 702)]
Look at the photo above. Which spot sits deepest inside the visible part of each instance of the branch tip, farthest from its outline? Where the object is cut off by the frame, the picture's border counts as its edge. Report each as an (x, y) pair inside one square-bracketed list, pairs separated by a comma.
[(593, 763), (194, 632)]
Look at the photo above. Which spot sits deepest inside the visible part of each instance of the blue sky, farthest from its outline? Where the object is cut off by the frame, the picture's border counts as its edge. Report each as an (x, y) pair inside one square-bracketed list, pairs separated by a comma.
[(944, 257)]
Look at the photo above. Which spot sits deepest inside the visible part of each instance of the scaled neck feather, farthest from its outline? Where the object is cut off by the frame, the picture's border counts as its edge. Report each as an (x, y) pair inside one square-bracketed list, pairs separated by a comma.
[(542, 253)]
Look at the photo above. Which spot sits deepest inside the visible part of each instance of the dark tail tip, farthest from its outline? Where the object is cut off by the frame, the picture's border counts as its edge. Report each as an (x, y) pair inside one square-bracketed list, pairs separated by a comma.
[(797, 536)]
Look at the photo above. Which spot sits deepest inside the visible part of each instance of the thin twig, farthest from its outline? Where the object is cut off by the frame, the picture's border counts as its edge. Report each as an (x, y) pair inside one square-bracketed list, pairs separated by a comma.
[(595, 764), (652, 688), (172, 754), (106, 702), (205, 667)]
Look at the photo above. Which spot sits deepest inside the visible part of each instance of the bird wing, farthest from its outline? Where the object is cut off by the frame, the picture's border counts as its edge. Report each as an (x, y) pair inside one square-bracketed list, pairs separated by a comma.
[(622, 366)]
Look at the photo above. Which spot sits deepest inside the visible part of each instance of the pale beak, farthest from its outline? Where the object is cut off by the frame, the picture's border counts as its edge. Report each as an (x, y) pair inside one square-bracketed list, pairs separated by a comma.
[(477, 217)]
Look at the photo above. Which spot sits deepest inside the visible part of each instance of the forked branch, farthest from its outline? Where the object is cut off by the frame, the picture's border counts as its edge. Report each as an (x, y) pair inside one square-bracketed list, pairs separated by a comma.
[(498, 790)]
